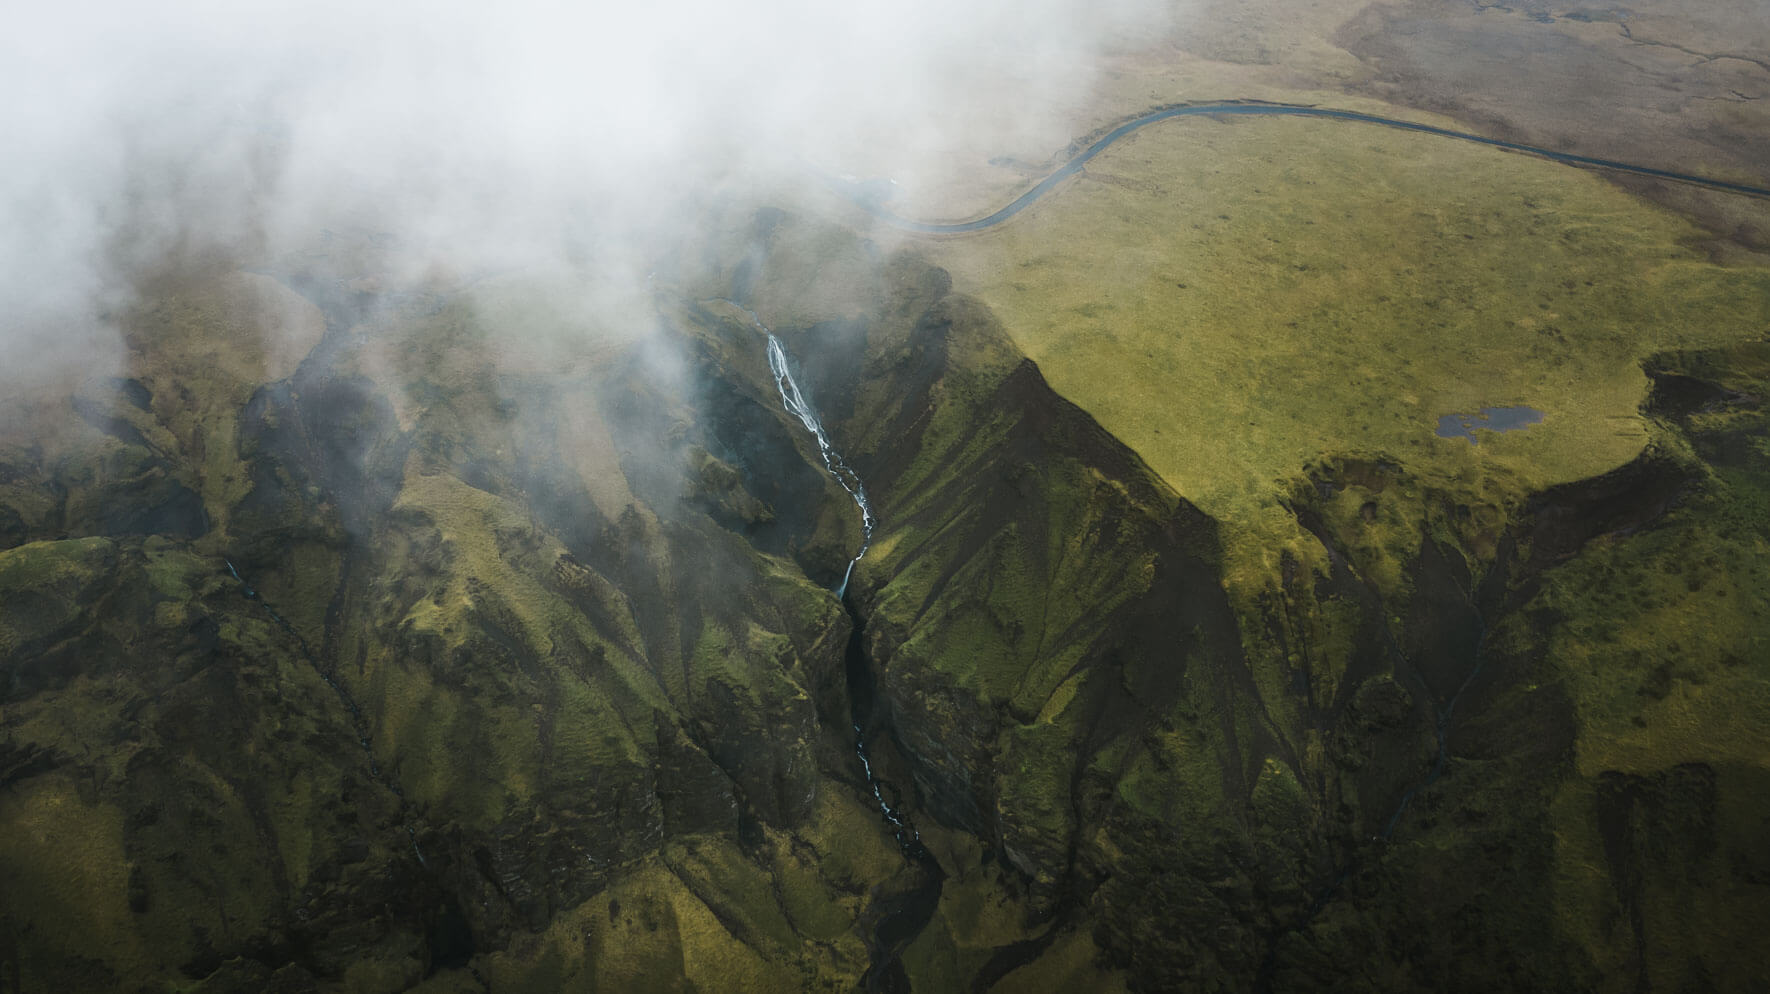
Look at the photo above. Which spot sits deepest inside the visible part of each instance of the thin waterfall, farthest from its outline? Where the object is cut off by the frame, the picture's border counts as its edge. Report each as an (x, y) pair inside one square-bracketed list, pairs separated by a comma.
[(899, 918), (795, 403)]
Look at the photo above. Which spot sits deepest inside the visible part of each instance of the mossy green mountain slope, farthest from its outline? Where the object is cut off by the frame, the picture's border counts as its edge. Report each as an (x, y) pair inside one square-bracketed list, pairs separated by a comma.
[(1298, 776), (471, 649), (429, 687)]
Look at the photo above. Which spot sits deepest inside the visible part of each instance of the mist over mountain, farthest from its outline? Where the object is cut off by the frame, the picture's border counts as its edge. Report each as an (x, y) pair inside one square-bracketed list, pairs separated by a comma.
[(1040, 497), (468, 138)]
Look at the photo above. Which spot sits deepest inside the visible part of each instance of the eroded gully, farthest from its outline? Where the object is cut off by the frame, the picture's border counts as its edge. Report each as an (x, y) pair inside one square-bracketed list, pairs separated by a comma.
[(897, 919)]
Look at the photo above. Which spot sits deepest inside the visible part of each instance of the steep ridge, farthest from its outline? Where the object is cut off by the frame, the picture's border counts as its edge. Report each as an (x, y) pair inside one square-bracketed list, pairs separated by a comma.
[(1040, 612), (565, 700), (1209, 794)]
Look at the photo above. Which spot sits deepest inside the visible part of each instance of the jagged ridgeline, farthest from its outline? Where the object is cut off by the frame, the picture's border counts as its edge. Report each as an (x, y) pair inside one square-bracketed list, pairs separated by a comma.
[(457, 639)]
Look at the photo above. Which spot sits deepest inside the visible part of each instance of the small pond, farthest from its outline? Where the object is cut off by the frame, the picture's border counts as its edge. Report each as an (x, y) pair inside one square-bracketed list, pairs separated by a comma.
[(1490, 418)]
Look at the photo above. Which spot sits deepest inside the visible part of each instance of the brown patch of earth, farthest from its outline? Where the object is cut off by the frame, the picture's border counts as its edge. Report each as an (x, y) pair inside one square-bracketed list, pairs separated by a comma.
[(1669, 85)]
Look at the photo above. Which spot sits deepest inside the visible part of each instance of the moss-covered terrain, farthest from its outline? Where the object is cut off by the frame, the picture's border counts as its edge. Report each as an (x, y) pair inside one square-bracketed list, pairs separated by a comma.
[(415, 663), (383, 661), (368, 635), (1401, 645), (1285, 289)]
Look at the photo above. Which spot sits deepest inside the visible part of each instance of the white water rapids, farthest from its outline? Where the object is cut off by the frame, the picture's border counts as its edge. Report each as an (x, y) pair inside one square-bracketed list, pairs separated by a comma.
[(795, 403)]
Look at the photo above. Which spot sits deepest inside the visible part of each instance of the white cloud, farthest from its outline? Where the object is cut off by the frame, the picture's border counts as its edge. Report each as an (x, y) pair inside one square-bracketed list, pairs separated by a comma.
[(475, 133)]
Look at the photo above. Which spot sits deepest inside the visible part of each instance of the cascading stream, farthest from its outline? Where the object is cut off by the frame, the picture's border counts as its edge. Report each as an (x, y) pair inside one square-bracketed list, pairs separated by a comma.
[(900, 918), (780, 364), (905, 833)]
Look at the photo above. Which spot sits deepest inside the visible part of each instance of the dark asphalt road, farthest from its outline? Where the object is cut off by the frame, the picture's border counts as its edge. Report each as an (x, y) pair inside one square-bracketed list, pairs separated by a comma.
[(1075, 165)]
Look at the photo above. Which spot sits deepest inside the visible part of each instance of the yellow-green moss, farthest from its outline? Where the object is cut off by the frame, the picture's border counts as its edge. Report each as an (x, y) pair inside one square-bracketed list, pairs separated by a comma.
[(41, 585), (1072, 963), (201, 342), (1233, 300), (64, 866)]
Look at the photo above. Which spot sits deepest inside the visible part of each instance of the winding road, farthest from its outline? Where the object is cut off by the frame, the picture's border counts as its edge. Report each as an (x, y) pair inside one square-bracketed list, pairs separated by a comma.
[(1237, 109)]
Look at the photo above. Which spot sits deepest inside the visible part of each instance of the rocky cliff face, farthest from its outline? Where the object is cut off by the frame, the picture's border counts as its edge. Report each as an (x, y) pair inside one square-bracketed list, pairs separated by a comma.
[(400, 652)]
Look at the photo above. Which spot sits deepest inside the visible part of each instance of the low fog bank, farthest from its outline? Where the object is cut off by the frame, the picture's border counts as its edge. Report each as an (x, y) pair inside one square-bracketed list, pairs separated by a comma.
[(467, 139)]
